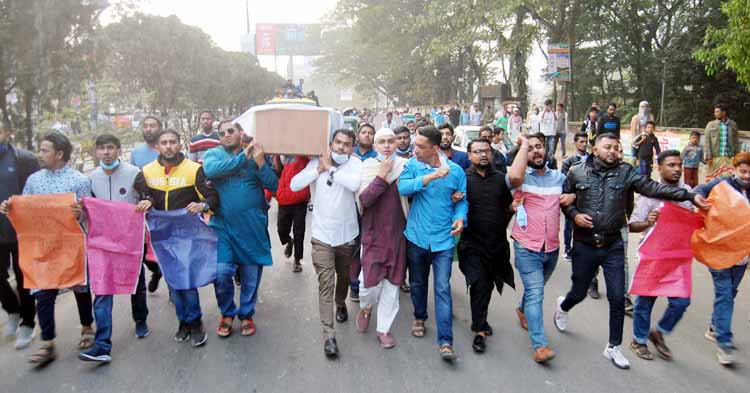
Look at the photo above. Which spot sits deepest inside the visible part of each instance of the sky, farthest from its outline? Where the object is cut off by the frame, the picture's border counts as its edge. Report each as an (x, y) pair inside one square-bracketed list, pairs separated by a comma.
[(225, 21)]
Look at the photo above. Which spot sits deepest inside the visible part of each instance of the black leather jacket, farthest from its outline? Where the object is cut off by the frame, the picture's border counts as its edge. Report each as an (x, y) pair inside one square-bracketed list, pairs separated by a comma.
[(602, 193)]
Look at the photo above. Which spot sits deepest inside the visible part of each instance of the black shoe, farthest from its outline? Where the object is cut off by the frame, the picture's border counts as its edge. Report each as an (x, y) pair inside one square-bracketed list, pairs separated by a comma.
[(153, 283), (341, 314), (330, 348), (289, 247), (594, 291), (480, 343), (237, 281), (297, 266), (183, 333), (489, 330), (198, 335), (354, 294), (628, 306)]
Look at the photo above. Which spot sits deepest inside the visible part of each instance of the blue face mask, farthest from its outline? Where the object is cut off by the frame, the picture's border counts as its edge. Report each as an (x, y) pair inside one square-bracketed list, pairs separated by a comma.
[(381, 157), (404, 151), (521, 218), (111, 166)]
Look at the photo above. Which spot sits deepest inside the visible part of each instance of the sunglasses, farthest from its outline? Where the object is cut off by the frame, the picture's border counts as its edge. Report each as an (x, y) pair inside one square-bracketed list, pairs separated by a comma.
[(228, 131)]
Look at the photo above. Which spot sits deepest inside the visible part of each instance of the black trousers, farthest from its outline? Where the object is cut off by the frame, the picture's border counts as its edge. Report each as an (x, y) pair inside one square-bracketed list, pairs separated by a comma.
[(586, 261), (45, 307), (479, 279), (23, 303), (292, 218), (153, 267)]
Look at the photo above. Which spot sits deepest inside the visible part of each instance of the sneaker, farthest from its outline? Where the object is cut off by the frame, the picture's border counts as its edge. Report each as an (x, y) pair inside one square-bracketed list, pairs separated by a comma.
[(447, 353), (12, 325), (198, 335), (614, 354), (386, 340), (567, 256), (183, 333), (710, 334), (628, 306), (153, 283), (95, 354), (561, 317), (354, 294), (24, 336), (289, 248), (141, 329), (594, 291), (724, 355)]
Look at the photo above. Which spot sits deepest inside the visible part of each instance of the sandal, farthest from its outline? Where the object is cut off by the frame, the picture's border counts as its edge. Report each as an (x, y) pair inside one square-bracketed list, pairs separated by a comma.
[(417, 328), (44, 355), (225, 327), (247, 327), (641, 350), (87, 338)]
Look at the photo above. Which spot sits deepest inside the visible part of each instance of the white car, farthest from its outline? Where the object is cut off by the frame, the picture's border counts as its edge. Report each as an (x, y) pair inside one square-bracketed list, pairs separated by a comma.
[(463, 135)]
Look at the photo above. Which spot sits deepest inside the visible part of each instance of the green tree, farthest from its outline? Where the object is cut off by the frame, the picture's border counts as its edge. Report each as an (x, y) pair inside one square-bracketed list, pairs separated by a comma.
[(728, 47)]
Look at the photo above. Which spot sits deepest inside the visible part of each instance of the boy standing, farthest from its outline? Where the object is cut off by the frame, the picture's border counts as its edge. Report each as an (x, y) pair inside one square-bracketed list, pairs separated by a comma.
[(692, 157)]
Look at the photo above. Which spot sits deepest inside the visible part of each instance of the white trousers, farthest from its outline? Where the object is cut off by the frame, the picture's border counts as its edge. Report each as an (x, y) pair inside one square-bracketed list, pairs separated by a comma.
[(385, 295)]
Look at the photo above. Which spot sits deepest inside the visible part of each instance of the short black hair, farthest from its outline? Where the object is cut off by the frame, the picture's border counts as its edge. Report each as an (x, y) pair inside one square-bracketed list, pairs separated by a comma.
[(206, 111), (363, 125), (537, 135), (666, 154), (486, 128), (432, 134), (169, 131), (401, 130), (580, 135), (547, 102), (59, 142), (347, 132), (606, 135), (105, 139), (473, 141), (593, 109), (156, 119), (652, 123), (695, 133), (612, 104), (411, 121), (448, 126), (720, 107)]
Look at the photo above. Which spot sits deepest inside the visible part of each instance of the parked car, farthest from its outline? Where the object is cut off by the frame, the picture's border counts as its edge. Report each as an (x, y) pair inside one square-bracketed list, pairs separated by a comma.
[(463, 135)]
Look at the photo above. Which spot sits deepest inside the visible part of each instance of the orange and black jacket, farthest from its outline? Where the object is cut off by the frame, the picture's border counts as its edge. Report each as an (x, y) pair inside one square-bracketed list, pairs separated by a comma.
[(184, 184)]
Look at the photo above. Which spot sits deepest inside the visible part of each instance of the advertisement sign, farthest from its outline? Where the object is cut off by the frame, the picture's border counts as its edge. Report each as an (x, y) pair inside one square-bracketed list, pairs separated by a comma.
[(558, 62), (278, 39)]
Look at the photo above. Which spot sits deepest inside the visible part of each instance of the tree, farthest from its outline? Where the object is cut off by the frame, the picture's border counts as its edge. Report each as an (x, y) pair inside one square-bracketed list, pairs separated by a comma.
[(729, 47)]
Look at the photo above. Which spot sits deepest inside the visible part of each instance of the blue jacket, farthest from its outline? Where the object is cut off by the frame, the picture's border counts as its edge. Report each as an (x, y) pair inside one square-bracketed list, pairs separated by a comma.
[(432, 211), (241, 222), (705, 189)]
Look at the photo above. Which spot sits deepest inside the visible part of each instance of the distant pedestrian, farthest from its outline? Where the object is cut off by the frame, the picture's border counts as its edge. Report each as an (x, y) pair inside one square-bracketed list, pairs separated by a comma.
[(692, 157)]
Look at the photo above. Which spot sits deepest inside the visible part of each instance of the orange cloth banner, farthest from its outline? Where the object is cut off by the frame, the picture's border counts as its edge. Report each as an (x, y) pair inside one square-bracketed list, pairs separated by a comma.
[(51, 244), (725, 238)]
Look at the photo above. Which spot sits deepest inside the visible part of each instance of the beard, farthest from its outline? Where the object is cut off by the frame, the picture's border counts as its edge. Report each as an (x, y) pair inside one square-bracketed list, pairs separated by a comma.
[(445, 146), (149, 137), (538, 166)]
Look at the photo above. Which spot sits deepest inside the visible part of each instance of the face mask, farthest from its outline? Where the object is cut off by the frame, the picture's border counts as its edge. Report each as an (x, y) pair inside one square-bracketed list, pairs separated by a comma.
[(381, 157), (403, 151), (340, 159), (744, 184), (111, 166), (521, 218), (643, 115)]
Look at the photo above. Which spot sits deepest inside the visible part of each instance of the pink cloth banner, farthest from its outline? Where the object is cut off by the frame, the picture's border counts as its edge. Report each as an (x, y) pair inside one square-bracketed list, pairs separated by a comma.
[(666, 259), (114, 246)]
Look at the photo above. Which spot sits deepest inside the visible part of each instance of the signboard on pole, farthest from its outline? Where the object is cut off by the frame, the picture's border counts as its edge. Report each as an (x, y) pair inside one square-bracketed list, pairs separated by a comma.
[(558, 62), (287, 39)]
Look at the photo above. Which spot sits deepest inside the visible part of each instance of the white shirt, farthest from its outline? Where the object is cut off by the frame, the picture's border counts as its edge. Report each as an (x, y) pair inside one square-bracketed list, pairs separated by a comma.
[(334, 215), (534, 123), (547, 121)]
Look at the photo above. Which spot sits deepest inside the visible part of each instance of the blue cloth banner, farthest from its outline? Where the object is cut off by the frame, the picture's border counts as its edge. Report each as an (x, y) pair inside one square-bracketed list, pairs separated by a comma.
[(185, 247)]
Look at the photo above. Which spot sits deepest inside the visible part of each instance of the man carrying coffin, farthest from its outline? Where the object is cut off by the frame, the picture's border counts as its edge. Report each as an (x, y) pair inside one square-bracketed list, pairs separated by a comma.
[(174, 183), (57, 177), (239, 176), (119, 181)]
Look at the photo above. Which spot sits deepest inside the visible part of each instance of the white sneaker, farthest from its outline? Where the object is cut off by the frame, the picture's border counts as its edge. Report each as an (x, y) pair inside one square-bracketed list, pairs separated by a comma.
[(615, 355), (561, 317), (24, 337), (12, 325), (725, 355)]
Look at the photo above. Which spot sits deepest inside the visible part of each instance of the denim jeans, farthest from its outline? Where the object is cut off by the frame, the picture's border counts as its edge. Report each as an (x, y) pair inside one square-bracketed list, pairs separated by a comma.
[(642, 316), (644, 167), (535, 268), (586, 259), (187, 305), (420, 261), (568, 235), (726, 284), (45, 310), (551, 144), (103, 312), (250, 275)]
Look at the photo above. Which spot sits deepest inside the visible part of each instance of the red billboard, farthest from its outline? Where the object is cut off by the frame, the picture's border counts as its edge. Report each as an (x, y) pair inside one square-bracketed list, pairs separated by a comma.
[(265, 39)]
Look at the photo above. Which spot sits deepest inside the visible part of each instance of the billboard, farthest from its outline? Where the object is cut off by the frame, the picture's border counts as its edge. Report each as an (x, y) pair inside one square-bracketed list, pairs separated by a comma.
[(277, 39), (558, 62)]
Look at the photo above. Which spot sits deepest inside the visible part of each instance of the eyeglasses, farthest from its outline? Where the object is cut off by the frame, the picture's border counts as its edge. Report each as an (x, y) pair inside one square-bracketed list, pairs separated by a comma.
[(483, 152), (229, 131)]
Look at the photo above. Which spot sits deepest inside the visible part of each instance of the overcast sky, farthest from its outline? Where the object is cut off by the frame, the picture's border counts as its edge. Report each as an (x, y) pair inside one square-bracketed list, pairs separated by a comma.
[(224, 20)]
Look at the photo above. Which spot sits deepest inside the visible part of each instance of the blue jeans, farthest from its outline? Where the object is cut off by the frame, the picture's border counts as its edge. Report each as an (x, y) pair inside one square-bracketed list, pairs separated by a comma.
[(551, 142), (420, 261), (726, 283), (250, 275), (644, 167), (103, 312), (568, 235), (187, 305), (642, 316), (535, 268)]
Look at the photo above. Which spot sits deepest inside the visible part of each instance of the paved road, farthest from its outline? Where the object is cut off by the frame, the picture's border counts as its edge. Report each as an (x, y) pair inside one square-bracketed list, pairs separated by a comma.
[(286, 353)]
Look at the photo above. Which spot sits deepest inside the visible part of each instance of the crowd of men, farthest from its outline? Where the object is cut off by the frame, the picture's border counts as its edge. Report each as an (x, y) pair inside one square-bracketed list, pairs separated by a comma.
[(388, 206)]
